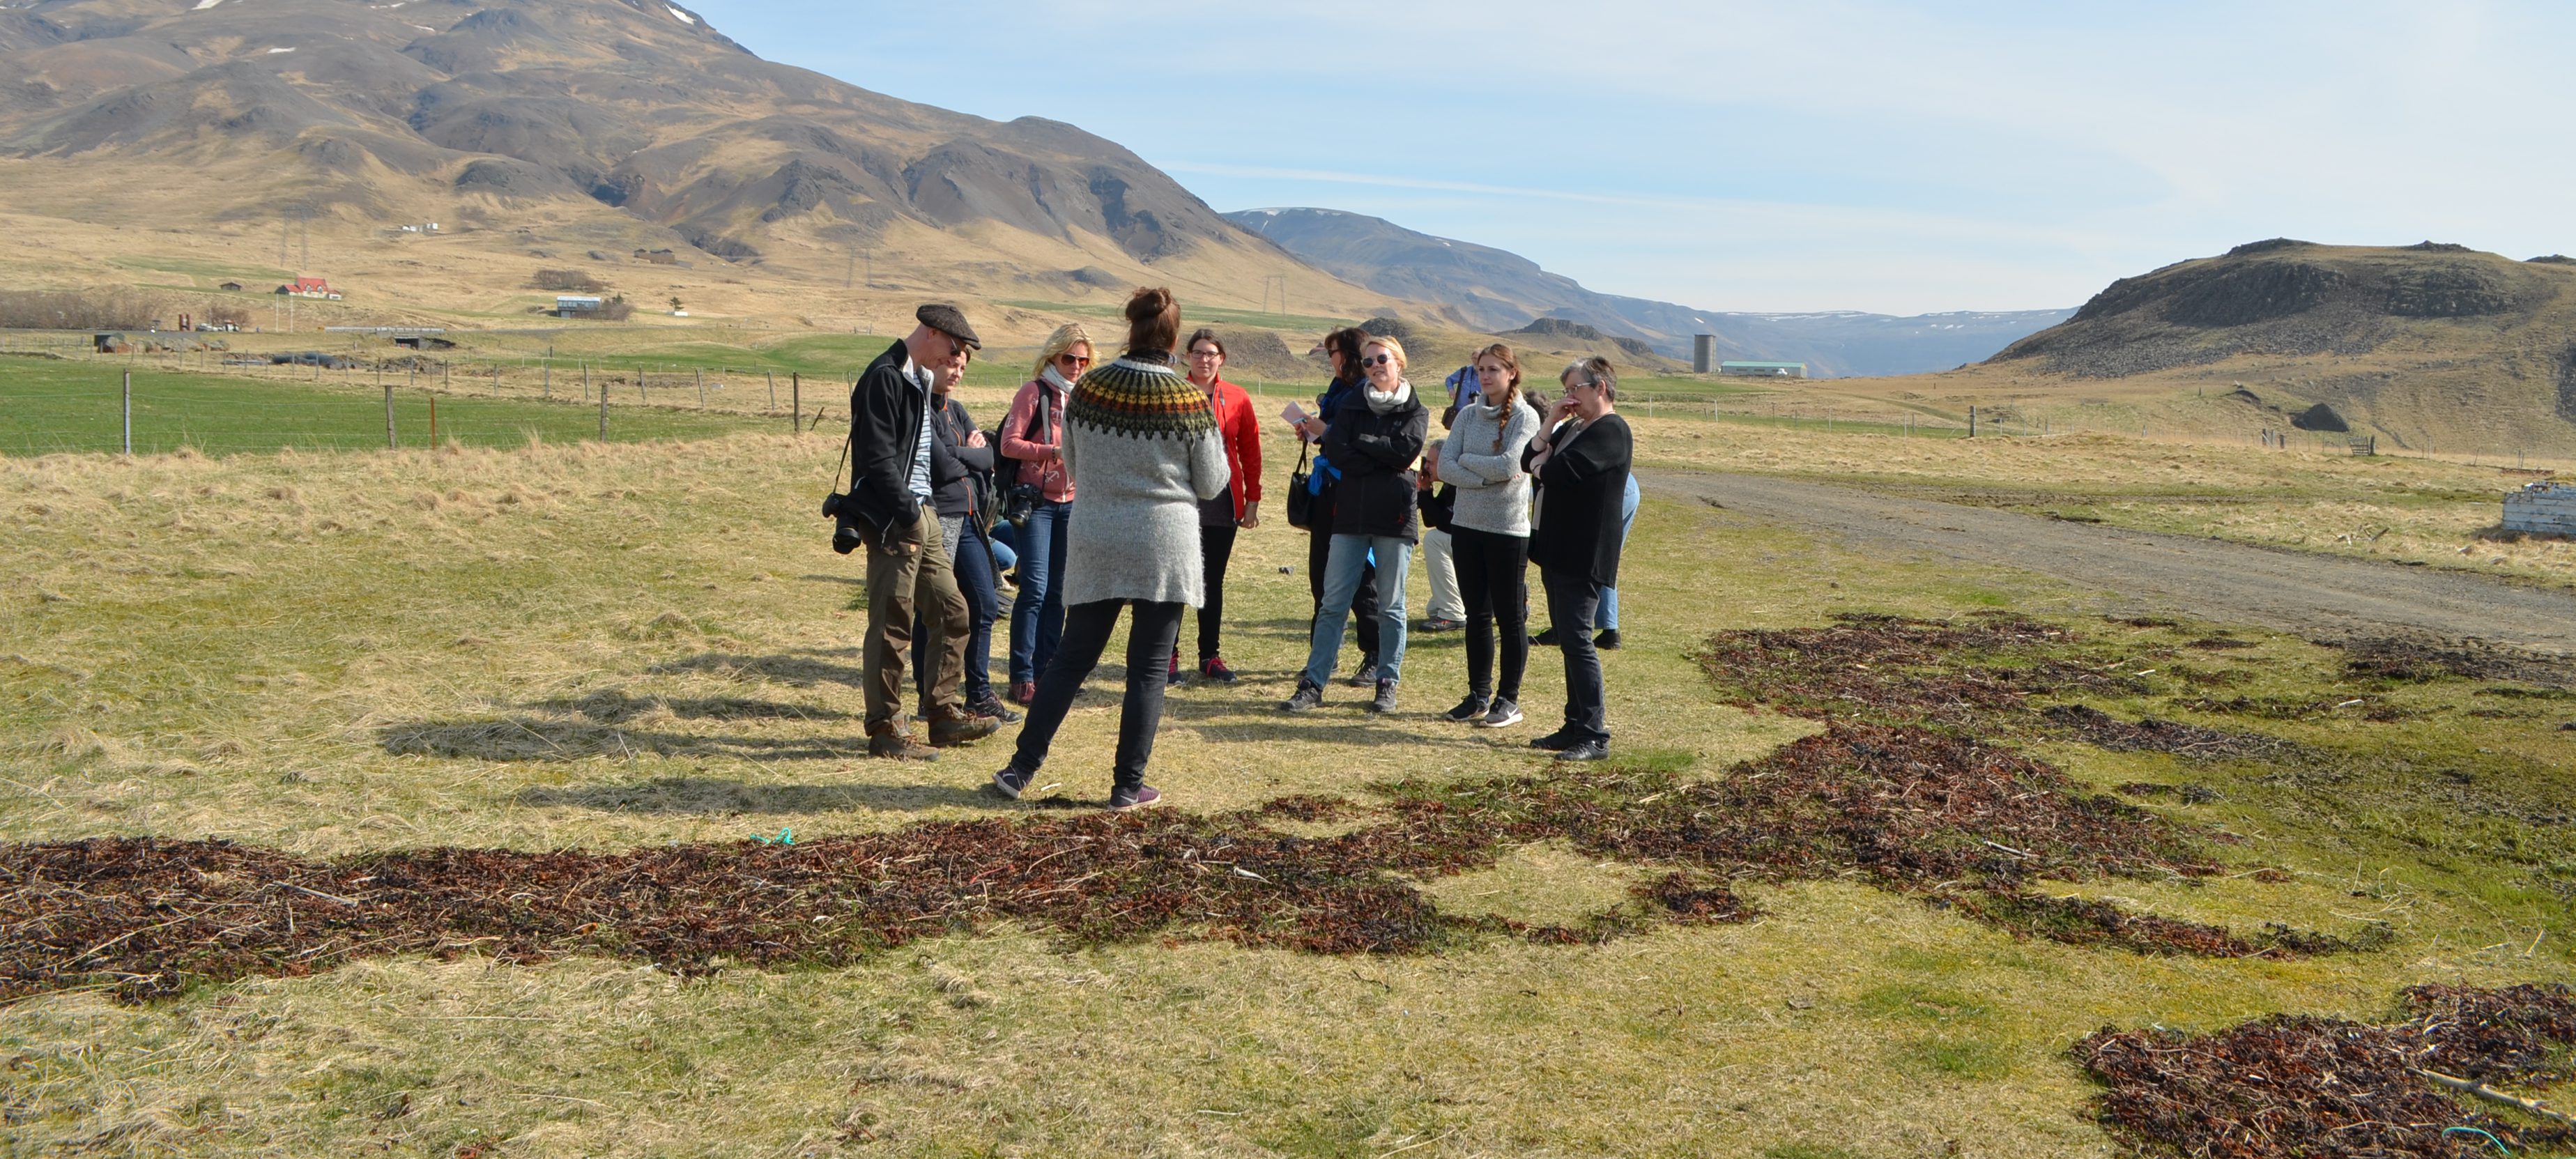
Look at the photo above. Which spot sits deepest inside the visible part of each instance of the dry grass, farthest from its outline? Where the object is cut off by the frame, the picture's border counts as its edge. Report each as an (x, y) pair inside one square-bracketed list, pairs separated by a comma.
[(2427, 511), (622, 646)]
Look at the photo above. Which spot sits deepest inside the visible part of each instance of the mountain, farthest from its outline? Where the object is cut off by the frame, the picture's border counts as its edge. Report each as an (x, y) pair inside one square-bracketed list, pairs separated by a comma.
[(2430, 347), (1491, 289), (573, 122)]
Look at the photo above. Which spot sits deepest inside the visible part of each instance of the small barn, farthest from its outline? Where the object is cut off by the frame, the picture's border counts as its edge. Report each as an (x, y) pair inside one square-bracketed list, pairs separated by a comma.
[(2545, 508), (234, 287), (577, 305)]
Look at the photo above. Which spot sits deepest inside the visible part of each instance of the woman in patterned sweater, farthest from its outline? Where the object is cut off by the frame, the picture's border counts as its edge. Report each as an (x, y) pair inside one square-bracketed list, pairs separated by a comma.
[(1141, 447)]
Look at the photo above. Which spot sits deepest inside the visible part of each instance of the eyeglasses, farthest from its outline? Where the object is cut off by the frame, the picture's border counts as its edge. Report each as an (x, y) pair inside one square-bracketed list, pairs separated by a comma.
[(1380, 360), (1207, 352), (1582, 386)]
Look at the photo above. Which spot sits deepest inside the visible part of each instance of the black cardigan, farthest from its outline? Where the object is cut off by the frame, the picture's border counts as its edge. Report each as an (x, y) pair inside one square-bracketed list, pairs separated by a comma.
[(951, 461), (1580, 493), (1375, 454), (885, 434)]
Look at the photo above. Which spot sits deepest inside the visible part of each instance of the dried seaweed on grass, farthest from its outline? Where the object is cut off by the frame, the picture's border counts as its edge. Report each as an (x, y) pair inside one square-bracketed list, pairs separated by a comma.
[(2285, 1085), (1894, 670), (2103, 730), (1905, 808)]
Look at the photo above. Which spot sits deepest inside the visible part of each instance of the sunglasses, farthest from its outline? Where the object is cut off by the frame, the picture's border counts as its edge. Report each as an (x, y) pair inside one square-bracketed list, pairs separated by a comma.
[(1380, 360), (1073, 360)]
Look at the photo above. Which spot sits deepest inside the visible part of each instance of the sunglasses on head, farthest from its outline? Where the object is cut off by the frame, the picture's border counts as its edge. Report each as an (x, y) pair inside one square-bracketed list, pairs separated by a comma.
[(1380, 360)]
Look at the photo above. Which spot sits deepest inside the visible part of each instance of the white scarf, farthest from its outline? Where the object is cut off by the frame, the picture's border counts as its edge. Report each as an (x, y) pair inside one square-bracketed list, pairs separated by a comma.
[(1056, 377), (1386, 403)]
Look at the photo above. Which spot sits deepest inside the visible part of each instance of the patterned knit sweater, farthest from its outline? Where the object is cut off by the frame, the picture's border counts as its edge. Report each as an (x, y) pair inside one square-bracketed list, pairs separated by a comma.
[(1141, 445)]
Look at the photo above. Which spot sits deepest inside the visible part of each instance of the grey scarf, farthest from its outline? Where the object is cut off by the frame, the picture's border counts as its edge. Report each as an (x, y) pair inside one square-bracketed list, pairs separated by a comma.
[(1386, 403)]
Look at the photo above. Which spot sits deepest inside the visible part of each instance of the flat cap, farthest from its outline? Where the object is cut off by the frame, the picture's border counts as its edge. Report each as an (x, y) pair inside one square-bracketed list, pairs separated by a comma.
[(949, 320)]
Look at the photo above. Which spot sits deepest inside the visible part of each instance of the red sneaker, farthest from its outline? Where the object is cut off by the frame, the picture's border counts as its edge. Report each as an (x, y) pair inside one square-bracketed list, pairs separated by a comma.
[(1024, 692), (1216, 670)]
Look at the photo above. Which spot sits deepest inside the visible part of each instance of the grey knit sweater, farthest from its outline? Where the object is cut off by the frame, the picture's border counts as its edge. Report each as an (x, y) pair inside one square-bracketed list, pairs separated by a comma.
[(1493, 491), (1142, 463)]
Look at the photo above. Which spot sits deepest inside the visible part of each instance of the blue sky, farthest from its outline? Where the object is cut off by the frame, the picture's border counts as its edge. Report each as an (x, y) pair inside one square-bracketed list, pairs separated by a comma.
[(1904, 158)]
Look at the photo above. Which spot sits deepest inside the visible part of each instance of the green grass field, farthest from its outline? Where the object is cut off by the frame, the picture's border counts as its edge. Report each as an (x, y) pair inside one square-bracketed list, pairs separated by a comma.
[(50, 407), (1196, 315), (616, 648)]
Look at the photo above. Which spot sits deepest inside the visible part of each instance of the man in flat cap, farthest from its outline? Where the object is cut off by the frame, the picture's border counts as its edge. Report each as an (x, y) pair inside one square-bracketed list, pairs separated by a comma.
[(908, 566)]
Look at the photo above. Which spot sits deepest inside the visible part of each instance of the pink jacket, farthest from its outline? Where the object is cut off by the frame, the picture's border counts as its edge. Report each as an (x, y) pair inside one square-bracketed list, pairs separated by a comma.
[(1037, 464)]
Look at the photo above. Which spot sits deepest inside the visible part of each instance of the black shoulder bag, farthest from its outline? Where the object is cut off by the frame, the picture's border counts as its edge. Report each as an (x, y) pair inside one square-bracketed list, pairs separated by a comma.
[(1301, 502)]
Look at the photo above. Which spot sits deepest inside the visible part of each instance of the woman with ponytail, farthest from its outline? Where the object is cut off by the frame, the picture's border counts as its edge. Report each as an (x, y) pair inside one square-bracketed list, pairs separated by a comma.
[(1033, 437), (1489, 525), (1141, 445)]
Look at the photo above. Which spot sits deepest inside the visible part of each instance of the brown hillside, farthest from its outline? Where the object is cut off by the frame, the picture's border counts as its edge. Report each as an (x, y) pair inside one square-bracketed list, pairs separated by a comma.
[(581, 124), (2427, 347)]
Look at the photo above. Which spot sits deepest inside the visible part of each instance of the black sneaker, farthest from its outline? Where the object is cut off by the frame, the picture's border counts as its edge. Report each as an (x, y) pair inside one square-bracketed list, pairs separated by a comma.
[(1585, 750), (1214, 668), (1365, 675), (1558, 741), (1136, 798), (1503, 714), (1308, 698), (1011, 782), (1469, 709), (1607, 641), (1385, 701), (992, 706), (1546, 639), (1442, 624)]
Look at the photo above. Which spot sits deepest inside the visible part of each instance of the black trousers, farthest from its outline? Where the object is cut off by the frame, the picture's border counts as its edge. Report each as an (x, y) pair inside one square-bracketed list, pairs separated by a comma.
[(1571, 599), (1319, 547), (1150, 636), (1491, 580), (1216, 549)]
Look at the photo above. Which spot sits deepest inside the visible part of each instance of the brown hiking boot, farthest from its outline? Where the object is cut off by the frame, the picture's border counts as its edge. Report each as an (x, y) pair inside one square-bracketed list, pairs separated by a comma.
[(894, 740), (956, 726)]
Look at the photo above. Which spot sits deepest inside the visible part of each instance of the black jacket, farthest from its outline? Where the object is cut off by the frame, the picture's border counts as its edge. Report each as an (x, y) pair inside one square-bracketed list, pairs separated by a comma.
[(1375, 454), (1580, 492), (952, 462), (885, 434)]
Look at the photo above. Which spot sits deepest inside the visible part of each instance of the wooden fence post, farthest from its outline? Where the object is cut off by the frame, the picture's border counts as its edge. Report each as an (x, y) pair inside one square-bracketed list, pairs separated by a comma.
[(129, 414), (433, 422), (702, 387), (773, 388), (603, 402), (390, 442), (795, 399)]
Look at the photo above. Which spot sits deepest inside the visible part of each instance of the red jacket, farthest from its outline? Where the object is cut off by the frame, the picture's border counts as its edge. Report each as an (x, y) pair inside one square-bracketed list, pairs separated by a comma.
[(1241, 429)]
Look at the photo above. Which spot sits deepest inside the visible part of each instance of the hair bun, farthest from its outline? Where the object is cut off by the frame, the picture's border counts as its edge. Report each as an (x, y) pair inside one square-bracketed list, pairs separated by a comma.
[(1148, 303)]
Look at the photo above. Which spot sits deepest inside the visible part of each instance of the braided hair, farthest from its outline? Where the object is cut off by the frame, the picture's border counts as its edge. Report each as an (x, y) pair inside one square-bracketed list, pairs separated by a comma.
[(1502, 353)]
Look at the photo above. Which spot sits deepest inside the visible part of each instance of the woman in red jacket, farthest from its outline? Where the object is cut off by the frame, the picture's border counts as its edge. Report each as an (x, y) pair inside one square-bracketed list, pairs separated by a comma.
[(1239, 507)]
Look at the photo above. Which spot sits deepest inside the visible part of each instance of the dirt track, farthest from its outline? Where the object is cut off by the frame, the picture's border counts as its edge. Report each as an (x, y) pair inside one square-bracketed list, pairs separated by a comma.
[(2313, 595)]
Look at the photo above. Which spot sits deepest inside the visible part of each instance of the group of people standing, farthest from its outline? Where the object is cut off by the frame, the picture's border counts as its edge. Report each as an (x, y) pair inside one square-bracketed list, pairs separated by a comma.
[(1161, 459)]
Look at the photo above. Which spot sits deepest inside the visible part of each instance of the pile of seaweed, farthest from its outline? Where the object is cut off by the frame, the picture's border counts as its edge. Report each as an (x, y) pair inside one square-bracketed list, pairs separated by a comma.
[(2283, 1085), (1926, 814)]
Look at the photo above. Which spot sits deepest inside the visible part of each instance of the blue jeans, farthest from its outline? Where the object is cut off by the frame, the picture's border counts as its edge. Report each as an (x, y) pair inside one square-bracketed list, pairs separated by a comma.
[(1006, 545), (1037, 616), (1349, 555), (1607, 618)]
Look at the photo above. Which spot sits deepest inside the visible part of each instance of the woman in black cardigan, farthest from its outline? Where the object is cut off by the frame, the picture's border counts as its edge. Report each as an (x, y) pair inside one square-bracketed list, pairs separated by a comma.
[(1581, 462)]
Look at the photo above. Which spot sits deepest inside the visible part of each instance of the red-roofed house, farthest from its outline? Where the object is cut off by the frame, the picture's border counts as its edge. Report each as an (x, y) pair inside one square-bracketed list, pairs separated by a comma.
[(309, 288)]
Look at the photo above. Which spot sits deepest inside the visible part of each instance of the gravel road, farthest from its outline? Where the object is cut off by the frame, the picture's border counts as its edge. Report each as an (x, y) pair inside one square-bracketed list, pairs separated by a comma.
[(2318, 596)]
